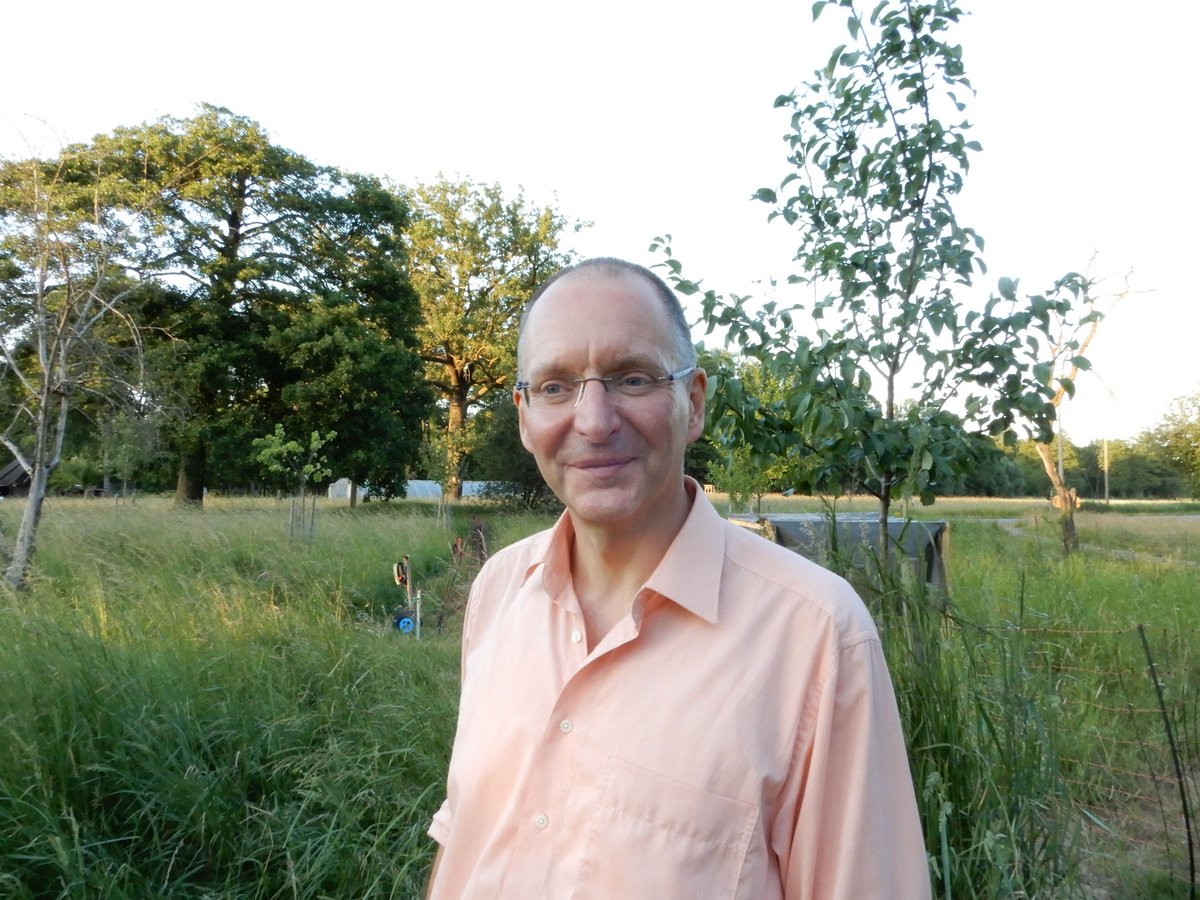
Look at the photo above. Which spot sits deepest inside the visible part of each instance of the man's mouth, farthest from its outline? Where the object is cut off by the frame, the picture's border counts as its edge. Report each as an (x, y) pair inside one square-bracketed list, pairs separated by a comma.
[(601, 465)]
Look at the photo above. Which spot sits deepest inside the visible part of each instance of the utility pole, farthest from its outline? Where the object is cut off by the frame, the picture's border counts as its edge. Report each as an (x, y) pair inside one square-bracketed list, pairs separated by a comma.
[(1106, 471)]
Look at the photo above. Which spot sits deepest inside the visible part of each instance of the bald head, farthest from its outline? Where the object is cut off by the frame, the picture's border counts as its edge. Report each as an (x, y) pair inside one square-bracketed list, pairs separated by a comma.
[(683, 351)]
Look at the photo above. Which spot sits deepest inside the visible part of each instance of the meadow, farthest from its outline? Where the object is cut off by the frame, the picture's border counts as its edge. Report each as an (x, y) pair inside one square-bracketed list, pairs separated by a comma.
[(194, 705)]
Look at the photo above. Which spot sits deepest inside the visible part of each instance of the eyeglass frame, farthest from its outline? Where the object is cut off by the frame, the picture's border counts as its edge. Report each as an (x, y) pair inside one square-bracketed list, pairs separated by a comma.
[(669, 378)]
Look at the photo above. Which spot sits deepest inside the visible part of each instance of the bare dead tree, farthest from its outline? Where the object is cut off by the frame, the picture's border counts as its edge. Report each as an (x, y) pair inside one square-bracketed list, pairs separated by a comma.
[(67, 335), (1067, 353)]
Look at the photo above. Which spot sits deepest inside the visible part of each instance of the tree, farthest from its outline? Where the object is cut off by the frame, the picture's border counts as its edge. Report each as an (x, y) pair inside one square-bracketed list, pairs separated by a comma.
[(65, 284), (876, 167), (1068, 342), (1137, 469), (476, 258), (502, 461), (129, 444), (279, 454), (744, 474), (292, 288), (993, 474), (1179, 436), (349, 369), (1028, 459), (1071, 332)]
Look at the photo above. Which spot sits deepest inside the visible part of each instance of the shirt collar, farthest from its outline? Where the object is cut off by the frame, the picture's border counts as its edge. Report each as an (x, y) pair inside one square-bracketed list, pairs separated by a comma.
[(688, 575), (555, 557)]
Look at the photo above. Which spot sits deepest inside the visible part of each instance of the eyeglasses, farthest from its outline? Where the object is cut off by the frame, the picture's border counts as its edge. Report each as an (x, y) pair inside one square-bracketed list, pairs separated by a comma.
[(567, 392)]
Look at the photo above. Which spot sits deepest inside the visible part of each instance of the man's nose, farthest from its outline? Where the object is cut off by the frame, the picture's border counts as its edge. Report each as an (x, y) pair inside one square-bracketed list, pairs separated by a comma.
[(596, 415)]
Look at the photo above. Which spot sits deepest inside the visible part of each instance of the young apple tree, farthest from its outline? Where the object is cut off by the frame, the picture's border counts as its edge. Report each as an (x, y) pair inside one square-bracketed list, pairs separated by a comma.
[(895, 381)]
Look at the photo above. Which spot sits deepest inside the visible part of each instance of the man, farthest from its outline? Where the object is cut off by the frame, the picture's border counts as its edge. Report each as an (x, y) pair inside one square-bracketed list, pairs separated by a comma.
[(656, 703)]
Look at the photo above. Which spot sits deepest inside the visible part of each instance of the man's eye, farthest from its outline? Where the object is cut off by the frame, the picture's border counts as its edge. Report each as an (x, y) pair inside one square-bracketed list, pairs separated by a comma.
[(635, 381), (553, 388)]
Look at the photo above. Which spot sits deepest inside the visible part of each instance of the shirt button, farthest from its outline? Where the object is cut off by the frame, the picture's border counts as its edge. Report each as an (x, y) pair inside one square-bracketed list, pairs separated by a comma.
[(540, 821), (565, 726), (576, 636)]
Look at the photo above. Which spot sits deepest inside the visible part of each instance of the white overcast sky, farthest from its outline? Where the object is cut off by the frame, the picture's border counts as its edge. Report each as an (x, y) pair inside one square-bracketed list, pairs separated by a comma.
[(647, 118)]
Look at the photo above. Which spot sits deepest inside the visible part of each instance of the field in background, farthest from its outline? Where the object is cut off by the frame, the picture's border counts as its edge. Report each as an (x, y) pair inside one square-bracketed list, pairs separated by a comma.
[(191, 704)]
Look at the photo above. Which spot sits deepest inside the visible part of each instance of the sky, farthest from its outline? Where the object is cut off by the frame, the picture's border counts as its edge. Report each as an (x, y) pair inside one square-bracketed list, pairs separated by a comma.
[(657, 118)]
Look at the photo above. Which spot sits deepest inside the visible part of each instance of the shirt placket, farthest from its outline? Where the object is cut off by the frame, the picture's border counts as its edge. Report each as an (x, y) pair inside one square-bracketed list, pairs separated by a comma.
[(553, 811)]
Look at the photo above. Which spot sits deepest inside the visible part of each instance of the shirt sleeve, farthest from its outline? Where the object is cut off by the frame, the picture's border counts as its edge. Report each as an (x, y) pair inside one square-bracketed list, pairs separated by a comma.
[(439, 827), (853, 821)]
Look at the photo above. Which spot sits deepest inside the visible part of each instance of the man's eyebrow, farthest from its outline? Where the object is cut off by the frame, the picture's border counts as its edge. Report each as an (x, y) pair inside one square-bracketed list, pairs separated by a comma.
[(628, 363), (640, 363)]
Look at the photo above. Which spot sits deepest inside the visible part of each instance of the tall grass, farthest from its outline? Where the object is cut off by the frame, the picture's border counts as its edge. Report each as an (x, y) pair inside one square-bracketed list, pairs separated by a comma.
[(193, 705), (1077, 619), (981, 725)]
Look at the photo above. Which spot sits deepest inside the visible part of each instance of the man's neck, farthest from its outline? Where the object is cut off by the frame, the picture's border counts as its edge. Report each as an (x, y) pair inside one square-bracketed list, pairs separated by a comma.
[(609, 565)]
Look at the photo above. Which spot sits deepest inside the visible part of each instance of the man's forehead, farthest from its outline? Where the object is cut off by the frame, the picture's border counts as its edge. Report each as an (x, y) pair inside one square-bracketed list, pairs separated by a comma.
[(581, 294), (573, 317)]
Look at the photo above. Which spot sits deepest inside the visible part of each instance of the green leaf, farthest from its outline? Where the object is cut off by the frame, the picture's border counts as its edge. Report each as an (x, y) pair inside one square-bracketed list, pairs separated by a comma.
[(834, 59)]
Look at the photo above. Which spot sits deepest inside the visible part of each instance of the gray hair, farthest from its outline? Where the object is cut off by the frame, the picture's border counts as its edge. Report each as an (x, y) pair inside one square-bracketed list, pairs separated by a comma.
[(683, 349)]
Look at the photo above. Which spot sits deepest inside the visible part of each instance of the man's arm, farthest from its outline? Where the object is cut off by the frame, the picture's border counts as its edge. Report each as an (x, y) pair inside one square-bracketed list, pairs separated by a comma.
[(857, 832)]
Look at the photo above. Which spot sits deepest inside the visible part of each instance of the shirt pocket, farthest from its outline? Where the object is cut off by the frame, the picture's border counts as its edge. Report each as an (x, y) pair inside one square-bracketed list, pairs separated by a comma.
[(657, 838)]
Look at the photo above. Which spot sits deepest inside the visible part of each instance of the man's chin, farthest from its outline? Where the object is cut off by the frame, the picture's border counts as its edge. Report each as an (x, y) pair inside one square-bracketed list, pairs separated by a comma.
[(603, 506)]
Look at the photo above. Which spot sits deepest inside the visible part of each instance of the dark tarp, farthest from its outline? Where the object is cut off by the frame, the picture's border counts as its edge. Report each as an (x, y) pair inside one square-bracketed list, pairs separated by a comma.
[(923, 544), (14, 480)]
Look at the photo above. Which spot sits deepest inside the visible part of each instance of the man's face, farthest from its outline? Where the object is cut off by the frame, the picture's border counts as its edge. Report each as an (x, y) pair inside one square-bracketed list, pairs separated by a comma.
[(614, 461)]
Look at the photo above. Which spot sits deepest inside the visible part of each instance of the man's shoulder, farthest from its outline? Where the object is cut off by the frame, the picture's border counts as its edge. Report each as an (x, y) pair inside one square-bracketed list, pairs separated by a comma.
[(763, 558), (760, 570)]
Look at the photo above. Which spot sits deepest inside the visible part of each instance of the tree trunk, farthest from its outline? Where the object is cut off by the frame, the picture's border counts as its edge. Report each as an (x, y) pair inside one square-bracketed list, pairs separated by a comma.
[(353, 494), (22, 554), (1064, 500), (455, 424), (49, 431), (885, 542), (189, 484)]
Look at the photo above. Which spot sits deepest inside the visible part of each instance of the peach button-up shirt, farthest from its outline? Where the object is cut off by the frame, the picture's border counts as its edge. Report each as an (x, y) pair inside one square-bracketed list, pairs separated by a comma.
[(735, 736)]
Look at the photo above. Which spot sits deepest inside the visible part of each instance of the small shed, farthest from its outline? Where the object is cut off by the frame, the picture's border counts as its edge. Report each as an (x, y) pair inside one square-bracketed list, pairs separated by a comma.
[(14, 480), (922, 544)]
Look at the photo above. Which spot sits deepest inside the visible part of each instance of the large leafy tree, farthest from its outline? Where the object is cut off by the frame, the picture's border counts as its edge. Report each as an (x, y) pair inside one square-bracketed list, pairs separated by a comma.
[(476, 257), (1179, 437), (509, 470), (878, 151), (293, 304), (1134, 469), (351, 371)]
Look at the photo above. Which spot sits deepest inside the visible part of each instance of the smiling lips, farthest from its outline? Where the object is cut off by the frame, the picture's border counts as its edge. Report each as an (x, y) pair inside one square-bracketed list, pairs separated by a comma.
[(601, 465)]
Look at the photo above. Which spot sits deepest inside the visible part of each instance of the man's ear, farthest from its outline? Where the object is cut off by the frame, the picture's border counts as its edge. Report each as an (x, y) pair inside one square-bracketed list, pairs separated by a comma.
[(519, 400), (697, 391)]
